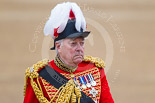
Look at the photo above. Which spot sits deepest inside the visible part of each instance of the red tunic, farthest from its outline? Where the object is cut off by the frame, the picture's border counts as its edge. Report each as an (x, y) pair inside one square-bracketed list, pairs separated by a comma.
[(84, 68)]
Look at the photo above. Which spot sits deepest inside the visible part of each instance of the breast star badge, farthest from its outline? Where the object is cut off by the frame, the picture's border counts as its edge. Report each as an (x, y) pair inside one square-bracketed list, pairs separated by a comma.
[(93, 92)]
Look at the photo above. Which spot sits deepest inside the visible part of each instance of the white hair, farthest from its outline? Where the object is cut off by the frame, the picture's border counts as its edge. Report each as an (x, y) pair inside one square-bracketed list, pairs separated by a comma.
[(61, 44)]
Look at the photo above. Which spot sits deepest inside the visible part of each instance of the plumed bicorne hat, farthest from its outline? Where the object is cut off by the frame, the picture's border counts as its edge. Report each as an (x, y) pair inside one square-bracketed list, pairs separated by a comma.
[(66, 21)]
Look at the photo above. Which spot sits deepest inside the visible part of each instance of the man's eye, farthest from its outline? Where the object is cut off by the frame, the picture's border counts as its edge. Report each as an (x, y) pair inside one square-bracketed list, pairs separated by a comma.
[(82, 43), (73, 43)]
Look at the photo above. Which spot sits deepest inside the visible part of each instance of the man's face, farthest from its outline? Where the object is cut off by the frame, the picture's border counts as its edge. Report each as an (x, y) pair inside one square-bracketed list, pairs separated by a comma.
[(71, 51)]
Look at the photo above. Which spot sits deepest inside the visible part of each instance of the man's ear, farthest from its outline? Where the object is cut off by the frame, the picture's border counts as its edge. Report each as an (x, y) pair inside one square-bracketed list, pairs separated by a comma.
[(57, 45)]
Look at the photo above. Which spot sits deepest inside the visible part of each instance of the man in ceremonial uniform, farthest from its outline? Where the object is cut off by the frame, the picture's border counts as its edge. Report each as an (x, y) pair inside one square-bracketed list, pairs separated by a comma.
[(71, 77)]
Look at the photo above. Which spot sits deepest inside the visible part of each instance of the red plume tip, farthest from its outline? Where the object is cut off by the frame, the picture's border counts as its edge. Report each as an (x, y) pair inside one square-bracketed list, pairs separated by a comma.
[(71, 15), (55, 32)]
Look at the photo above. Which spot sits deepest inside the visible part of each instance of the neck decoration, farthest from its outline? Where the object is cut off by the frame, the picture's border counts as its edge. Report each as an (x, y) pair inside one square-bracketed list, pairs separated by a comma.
[(60, 64)]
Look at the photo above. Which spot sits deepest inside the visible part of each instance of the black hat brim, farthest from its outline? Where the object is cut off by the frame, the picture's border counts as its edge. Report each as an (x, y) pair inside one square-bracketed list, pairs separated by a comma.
[(79, 34)]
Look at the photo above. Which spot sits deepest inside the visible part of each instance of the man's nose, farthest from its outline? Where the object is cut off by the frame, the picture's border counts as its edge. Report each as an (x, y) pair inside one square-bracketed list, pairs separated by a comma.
[(79, 47)]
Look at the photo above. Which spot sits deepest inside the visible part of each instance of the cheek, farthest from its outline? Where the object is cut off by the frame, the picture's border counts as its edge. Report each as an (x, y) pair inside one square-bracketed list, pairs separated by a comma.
[(72, 52)]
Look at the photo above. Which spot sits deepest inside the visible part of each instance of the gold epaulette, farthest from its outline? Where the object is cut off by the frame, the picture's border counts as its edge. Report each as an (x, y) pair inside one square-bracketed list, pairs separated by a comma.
[(32, 73), (97, 61)]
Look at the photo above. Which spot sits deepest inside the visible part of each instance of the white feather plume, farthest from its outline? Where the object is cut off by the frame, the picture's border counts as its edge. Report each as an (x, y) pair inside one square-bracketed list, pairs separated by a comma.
[(59, 17)]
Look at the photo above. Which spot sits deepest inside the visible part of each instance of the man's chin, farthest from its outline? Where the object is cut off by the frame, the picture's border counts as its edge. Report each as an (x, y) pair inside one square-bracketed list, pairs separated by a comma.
[(78, 60)]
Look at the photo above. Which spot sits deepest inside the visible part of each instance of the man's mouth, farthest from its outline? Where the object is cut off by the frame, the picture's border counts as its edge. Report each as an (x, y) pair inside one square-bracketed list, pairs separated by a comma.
[(78, 56)]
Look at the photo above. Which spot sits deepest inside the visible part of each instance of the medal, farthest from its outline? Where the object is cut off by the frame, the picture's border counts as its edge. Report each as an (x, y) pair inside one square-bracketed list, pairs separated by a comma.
[(87, 82), (82, 83), (93, 92), (84, 86), (77, 83), (93, 83)]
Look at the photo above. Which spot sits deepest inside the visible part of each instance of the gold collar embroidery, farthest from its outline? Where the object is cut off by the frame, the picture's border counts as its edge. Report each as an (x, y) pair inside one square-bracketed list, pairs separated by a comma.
[(60, 64)]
